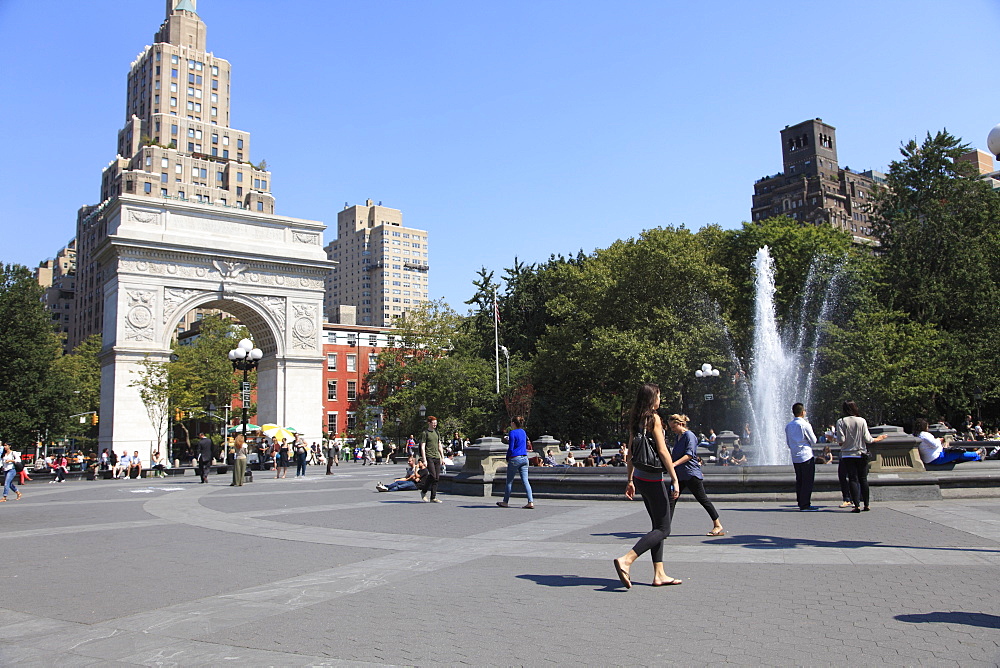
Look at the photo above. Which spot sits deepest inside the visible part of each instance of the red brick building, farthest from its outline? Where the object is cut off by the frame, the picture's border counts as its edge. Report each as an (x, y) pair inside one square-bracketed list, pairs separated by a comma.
[(351, 352)]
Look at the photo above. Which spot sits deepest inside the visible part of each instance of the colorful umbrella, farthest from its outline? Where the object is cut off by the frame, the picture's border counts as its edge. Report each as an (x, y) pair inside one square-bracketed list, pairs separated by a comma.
[(239, 427), (277, 432)]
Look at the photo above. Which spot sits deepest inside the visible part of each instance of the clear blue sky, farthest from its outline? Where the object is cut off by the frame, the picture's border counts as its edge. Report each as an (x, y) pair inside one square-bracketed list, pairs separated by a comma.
[(519, 128)]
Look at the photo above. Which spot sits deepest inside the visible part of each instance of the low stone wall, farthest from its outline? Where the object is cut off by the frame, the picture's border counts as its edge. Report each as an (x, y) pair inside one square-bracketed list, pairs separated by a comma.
[(742, 483)]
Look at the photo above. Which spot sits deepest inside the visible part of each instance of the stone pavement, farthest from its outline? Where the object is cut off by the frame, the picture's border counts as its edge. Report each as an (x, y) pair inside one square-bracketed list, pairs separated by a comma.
[(324, 570)]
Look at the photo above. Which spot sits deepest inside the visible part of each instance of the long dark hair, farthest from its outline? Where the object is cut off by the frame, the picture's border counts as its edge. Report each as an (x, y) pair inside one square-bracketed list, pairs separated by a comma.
[(851, 409), (642, 409)]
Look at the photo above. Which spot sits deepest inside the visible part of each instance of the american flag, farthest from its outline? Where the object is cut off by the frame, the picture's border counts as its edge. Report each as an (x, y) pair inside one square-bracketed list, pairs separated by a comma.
[(496, 309)]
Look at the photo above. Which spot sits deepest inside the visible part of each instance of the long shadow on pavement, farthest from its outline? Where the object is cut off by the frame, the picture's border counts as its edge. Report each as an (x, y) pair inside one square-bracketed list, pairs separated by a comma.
[(758, 542), (600, 584), (968, 618)]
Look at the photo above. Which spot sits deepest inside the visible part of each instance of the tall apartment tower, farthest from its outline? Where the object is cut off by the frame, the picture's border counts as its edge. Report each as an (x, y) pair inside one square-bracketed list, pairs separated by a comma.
[(813, 188), (176, 144), (382, 266), (58, 277)]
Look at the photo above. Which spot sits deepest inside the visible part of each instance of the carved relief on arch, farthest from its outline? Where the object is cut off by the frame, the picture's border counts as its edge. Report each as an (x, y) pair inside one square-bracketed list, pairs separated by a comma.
[(173, 298), (139, 315), (144, 217), (304, 326), (274, 305)]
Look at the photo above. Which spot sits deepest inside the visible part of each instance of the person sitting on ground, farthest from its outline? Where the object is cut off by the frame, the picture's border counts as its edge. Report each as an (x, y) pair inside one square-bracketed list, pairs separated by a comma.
[(738, 457), (571, 460), (589, 462), (547, 460), (135, 465), (826, 457), (409, 482), (618, 460), (932, 450)]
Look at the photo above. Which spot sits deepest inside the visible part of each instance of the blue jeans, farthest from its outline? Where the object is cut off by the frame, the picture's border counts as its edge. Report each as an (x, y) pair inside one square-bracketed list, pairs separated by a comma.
[(402, 486), (517, 465), (300, 466), (948, 457), (8, 482)]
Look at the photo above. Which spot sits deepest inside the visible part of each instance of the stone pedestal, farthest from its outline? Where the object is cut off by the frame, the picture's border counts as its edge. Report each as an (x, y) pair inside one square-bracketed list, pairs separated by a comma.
[(482, 459), (898, 452), (543, 443)]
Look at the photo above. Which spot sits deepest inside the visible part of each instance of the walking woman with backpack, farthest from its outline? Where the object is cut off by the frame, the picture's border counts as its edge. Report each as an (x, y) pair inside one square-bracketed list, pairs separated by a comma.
[(648, 459)]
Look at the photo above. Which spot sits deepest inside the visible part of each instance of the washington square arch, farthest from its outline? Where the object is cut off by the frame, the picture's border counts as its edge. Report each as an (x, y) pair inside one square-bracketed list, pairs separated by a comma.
[(162, 259)]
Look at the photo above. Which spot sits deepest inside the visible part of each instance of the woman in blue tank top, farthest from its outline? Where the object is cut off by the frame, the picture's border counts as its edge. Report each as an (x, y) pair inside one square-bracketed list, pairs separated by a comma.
[(517, 460)]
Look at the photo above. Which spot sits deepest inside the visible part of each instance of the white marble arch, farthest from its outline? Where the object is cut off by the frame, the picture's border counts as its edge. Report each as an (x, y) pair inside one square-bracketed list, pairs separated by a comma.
[(164, 258)]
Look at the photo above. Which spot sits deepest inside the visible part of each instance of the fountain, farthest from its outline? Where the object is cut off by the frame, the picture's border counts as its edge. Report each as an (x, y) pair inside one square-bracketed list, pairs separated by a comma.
[(781, 369)]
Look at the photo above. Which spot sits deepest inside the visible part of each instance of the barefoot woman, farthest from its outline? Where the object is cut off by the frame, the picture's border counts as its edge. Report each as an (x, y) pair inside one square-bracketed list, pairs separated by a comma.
[(650, 485)]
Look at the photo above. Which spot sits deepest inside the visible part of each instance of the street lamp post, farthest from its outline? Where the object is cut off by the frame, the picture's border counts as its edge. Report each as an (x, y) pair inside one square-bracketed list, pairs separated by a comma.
[(706, 371), (244, 358)]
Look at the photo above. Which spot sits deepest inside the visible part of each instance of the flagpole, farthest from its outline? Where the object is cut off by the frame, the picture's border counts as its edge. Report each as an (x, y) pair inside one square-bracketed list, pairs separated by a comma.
[(496, 337)]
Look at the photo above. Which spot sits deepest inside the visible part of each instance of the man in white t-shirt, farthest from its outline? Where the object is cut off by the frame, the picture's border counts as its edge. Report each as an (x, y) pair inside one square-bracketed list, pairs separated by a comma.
[(932, 450), (121, 468)]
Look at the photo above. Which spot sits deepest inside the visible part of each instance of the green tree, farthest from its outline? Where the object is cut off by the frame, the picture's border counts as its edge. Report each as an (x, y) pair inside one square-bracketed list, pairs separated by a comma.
[(29, 347), (893, 367), (641, 310), (937, 223), (76, 388)]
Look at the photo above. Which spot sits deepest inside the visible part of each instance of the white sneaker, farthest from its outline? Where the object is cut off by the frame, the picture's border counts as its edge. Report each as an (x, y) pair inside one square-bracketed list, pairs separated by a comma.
[(435, 500), (423, 498)]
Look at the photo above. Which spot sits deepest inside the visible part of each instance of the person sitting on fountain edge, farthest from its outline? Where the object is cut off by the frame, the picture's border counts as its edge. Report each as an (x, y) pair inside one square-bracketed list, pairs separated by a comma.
[(932, 450)]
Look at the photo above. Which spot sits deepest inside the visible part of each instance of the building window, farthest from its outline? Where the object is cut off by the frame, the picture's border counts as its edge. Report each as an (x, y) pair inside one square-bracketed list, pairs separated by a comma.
[(260, 206), (352, 390), (352, 420), (331, 361), (352, 363), (147, 188), (372, 361), (331, 423), (331, 390)]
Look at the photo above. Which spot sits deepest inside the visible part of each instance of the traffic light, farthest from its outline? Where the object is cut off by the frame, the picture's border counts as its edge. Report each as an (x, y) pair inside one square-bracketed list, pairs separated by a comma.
[(93, 419), (178, 415)]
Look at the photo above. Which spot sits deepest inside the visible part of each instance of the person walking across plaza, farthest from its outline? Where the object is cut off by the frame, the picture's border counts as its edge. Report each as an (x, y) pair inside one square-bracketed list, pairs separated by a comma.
[(800, 438), (8, 466), (517, 461), (239, 461), (204, 455), (854, 438), (688, 468), (431, 453), (645, 423)]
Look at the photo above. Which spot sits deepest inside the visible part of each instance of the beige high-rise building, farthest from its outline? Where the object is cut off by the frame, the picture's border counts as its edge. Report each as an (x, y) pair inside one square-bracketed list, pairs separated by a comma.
[(382, 266), (58, 277), (176, 144)]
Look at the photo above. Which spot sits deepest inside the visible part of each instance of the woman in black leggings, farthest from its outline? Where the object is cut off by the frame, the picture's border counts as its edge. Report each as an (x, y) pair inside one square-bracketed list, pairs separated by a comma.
[(650, 484), (685, 455)]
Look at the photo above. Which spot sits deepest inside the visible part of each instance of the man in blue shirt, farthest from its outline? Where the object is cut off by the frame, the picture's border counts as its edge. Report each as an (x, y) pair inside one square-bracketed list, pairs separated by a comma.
[(800, 438)]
